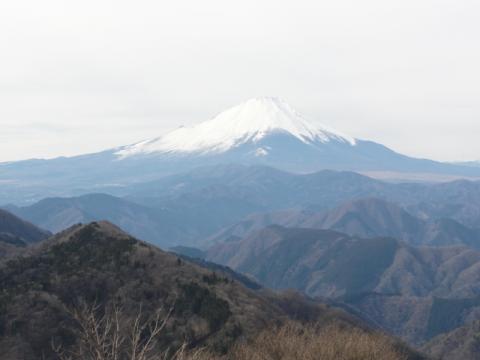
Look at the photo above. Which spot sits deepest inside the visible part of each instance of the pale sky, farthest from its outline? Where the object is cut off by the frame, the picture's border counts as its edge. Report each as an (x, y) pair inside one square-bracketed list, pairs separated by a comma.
[(83, 76)]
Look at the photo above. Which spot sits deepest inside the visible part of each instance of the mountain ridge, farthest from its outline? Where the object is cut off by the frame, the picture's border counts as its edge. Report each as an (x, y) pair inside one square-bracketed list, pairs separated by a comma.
[(12, 226), (364, 217), (188, 208), (210, 310), (407, 290)]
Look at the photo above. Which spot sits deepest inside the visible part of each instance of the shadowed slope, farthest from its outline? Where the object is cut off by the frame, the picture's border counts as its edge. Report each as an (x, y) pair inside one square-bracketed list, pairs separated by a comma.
[(416, 293)]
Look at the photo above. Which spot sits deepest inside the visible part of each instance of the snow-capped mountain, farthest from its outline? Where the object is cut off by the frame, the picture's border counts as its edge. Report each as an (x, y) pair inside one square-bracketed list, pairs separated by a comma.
[(249, 122), (261, 131)]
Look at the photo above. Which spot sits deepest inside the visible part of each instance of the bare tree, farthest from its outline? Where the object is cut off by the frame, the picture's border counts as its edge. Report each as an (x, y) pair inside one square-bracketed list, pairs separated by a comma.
[(110, 335)]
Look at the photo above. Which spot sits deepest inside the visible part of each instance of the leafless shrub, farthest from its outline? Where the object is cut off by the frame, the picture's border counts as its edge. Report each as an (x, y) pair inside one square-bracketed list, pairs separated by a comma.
[(333, 342), (107, 334)]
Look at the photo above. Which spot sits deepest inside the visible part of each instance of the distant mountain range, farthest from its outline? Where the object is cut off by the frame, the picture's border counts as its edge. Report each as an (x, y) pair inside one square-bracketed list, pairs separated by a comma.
[(262, 131), (57, 214), (406, 290), (194, 207), (364, 218), (166, 223)]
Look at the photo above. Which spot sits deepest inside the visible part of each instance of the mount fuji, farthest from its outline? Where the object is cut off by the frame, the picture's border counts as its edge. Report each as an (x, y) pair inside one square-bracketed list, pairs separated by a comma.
[(261, 131), (251, 123)]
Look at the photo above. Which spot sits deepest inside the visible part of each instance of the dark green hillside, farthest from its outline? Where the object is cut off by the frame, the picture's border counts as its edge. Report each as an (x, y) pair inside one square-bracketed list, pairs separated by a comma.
[(99, 264)]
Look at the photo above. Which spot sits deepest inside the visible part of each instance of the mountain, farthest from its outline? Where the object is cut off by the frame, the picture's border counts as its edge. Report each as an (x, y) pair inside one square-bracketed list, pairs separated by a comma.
[(99, 264), (366, 218), (166, 223), (259, 189), (16, 231), (329, 263), (184, 209), (153, 225), (269, 131), (188, 208), (405, 290), (461, 343), (249, 189), (261, 131), (253, 124), (57, 214)]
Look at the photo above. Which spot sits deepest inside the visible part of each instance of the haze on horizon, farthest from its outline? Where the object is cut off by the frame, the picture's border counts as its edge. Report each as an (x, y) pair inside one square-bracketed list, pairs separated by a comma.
[(91, 75)]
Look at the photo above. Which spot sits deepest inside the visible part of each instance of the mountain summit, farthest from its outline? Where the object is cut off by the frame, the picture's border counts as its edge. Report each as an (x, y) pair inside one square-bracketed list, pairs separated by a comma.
[(262, 131), (250, 122)]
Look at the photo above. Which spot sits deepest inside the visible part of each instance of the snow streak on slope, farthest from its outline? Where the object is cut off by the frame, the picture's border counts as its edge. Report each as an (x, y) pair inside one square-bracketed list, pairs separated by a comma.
[(248, 122)]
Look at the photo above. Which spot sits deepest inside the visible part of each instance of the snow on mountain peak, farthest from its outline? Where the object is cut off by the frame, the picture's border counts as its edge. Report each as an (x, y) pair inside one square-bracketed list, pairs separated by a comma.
[(248, 122)]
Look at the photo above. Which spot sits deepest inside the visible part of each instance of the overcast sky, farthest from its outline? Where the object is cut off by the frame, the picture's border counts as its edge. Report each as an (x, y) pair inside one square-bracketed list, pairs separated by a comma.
[(82, 76)]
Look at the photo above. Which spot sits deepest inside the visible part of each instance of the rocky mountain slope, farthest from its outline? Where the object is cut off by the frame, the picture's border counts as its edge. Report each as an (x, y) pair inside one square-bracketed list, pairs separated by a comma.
[(461, 343), (402, 288)]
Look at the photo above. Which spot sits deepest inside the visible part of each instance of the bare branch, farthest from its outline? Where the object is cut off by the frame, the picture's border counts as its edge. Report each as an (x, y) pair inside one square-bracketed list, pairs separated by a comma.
[(107, 334)]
